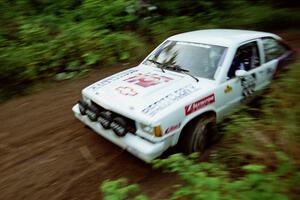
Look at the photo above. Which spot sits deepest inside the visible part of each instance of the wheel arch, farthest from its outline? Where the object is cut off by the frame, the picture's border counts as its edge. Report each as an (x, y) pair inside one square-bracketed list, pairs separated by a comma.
[(195, 118)]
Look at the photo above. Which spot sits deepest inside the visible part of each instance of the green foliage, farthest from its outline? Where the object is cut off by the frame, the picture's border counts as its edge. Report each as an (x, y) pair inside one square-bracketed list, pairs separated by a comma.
[(61, 39), (109, 14), (159, 30), (212, 181), (118, 189), (260, 17), (257, 134), (285, 97)]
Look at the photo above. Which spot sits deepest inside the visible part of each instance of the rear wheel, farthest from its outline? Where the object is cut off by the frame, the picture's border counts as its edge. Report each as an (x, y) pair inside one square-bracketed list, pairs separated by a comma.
[(198, 134)]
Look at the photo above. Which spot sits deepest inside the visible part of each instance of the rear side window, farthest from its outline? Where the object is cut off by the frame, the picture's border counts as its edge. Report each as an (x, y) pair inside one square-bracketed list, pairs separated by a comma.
[(273, 48)]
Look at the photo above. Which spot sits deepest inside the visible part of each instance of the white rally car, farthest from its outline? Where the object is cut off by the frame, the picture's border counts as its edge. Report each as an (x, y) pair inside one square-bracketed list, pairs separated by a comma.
[(181, 90)]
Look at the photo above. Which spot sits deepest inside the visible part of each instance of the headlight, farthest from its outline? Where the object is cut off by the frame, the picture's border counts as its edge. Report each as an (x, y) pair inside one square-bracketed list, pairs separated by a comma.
[(151, 130), (86, 99)]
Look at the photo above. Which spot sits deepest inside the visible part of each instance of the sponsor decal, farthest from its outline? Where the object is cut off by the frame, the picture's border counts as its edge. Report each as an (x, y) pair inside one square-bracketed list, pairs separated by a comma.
[(111, 79), (227, 89), (248, 85), (127, 91), (169, 99), (172, 128), (148, 79), (195, 44), (189, 109)]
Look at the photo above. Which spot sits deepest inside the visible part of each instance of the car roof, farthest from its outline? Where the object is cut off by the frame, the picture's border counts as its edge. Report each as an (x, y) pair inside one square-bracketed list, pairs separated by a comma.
[(221, 37)]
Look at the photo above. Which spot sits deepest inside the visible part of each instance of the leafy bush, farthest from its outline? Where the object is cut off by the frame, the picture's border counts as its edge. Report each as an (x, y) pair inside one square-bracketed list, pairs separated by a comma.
[(159, 30), (62, 39), (212, 181), (261, 17), (47, 39), (257, 133), (118, 189)]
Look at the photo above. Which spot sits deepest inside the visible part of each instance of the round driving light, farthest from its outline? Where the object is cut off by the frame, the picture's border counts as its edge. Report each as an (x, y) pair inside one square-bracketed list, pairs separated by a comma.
[(119, 126), (105, 119), (82, 107), (92, 113)]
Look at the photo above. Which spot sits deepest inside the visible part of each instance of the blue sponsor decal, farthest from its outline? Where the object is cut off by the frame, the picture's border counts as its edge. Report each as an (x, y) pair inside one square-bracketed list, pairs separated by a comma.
[(169, 99)]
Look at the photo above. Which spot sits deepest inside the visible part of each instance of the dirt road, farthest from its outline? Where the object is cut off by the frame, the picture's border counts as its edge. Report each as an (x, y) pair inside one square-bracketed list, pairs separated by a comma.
[(45, 153)]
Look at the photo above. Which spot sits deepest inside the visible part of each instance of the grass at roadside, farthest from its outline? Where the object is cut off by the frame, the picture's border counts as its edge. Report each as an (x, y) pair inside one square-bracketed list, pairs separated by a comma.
[(256, 139)]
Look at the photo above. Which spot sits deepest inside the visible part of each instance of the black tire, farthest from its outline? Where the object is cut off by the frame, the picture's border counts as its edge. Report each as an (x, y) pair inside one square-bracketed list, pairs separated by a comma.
[(197, 135)]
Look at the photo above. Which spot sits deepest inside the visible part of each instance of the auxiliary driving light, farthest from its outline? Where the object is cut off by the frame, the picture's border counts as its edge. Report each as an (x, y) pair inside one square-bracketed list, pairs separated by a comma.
[(105, 119), (119, 126), (82, 107), (92, 112)]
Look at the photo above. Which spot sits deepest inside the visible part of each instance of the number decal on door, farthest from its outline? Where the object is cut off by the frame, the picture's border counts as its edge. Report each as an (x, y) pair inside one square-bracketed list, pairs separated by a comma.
[(248, 85)]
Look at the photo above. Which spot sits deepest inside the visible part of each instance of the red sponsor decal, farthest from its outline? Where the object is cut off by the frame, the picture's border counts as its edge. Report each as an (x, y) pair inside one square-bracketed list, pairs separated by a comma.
[(147, 80), (126, 91), (172, 128), (189, 109)]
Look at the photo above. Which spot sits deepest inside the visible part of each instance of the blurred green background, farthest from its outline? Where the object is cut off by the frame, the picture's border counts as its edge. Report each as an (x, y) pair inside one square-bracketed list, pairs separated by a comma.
[(57, 40)]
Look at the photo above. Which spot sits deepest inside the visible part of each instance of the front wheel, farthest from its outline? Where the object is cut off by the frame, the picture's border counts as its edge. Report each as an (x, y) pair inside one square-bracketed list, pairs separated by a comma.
[(198, 134)]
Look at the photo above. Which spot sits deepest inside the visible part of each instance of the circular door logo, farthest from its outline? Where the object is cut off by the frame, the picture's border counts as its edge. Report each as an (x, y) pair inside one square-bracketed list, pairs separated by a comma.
[(127, 91)]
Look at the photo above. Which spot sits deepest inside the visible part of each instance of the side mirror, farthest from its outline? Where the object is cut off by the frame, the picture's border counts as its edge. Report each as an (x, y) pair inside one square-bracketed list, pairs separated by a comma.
[(241, 73)]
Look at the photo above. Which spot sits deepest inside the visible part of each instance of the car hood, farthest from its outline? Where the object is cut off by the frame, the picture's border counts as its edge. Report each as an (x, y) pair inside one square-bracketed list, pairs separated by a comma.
[(142, 92)]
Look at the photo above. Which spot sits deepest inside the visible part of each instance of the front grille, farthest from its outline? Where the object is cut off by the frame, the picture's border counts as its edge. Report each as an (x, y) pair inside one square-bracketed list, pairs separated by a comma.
[(103, 114)]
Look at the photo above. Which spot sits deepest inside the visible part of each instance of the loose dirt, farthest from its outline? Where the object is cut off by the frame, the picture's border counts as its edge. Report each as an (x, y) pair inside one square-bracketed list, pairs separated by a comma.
[(45, 153)]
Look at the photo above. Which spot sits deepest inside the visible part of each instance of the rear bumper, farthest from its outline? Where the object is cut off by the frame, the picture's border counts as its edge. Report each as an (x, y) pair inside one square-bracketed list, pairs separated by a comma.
[(134, 144)]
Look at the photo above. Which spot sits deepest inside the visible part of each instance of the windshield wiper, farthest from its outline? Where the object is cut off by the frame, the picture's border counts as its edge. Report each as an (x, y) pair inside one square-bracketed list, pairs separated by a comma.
[(185, 71), (160, 65), (173, 67)]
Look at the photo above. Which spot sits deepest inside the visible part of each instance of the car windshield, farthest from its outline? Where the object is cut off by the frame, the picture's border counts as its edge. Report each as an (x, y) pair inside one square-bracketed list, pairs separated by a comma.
[(200, 60)]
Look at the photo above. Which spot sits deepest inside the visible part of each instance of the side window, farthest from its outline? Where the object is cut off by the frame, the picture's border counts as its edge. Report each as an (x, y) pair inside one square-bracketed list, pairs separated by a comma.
[(246, 58), (273, 48)]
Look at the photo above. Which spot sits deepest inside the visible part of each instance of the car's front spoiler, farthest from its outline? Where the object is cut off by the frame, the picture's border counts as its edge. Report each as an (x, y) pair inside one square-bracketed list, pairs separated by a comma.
[(134, 144)]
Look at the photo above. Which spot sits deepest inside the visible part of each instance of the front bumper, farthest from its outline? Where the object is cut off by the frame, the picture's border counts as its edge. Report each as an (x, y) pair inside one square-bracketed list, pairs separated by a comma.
[(134, 144)]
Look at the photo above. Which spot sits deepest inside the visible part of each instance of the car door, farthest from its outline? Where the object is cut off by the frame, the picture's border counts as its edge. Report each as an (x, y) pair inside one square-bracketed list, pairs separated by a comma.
[(253, 82), (236, 89), (275, 55)]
